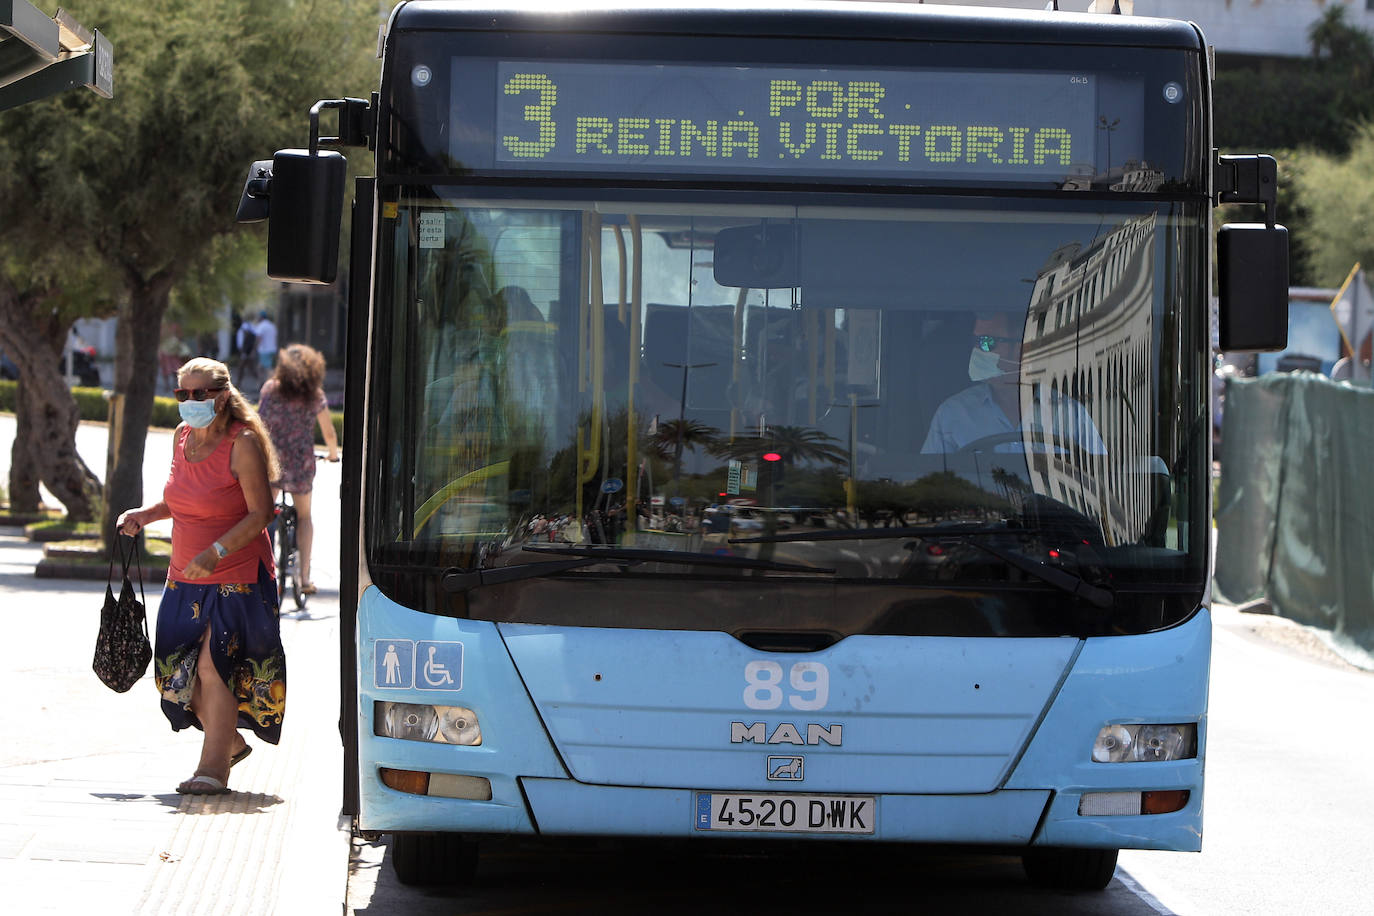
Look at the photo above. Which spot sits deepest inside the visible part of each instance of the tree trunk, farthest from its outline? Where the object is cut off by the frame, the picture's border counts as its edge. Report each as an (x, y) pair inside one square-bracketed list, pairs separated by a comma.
[(51, 440), (23, 486), (23, 482), (136, 368), (47, 415)]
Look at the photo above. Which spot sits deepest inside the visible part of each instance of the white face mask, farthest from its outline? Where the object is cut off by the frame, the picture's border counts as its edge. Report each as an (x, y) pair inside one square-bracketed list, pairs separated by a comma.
[(983, 365), (197, 414)]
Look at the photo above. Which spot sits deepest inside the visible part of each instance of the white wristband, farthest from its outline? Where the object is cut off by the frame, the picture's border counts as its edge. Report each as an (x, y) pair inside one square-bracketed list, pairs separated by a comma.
[(220, 550)]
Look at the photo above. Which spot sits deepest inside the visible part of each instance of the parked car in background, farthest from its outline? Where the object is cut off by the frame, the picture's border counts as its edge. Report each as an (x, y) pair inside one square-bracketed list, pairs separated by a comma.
[(84, 367)]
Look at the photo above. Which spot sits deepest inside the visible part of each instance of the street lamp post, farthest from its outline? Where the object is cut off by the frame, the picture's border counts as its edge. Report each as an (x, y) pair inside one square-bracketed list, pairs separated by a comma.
[(852, 484), (682, 413), (1110, 128)]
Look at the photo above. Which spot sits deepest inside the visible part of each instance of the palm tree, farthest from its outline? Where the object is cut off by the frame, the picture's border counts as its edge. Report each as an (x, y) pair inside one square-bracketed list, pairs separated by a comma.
[(792, 444), (673, 435)]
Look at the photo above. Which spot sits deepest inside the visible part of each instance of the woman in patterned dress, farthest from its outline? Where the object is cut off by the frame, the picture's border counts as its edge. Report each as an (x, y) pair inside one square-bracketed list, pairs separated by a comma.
[(291, 403), (220, 602)]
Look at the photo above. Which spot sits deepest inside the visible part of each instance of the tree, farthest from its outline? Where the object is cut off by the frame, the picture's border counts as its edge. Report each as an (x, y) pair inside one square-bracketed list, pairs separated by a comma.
[(793, 444), (1294, 109), (141, 187), (672, 436), (1340, 198), (35, 320), (1274, 104)]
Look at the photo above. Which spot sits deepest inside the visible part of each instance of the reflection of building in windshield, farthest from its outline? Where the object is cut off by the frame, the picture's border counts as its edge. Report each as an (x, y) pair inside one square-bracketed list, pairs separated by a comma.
[(1138, 176), (1089, 338)]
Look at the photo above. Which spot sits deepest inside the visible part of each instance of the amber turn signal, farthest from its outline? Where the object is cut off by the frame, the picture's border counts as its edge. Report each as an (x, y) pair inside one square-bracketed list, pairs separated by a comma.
[(413, 781), (1163, 802)]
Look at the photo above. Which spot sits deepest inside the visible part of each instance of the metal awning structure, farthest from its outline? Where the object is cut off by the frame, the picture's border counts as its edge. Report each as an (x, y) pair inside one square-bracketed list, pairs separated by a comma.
[(40, 56)]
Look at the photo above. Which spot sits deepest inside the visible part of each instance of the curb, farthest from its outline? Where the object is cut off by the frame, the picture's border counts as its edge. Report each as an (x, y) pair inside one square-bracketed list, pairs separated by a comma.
[(65, 569)]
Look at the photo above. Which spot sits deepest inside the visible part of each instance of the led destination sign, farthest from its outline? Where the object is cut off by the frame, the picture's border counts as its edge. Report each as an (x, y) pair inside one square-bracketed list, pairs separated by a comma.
[(676, 118)]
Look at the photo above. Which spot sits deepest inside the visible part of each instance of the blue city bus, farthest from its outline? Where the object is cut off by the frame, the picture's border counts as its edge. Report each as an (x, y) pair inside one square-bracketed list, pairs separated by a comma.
[(778, 423)]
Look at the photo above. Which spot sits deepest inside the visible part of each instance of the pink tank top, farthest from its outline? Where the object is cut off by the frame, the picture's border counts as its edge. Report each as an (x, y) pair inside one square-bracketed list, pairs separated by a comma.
[(206, 500)]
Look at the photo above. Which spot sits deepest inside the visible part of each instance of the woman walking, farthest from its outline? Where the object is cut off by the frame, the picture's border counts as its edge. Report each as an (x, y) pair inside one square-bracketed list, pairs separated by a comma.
[(292, 403), (219, 659)]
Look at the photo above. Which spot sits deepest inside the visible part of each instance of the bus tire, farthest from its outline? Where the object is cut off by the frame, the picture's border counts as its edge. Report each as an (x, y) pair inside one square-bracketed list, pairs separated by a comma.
[(433, 858), (1070, 869)]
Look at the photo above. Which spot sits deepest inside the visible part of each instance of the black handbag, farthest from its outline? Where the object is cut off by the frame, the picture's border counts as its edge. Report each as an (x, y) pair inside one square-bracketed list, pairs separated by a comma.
[(122, 650)]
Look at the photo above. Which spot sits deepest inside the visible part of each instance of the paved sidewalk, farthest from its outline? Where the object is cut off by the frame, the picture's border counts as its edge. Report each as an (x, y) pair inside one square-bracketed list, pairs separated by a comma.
[(89, 817)]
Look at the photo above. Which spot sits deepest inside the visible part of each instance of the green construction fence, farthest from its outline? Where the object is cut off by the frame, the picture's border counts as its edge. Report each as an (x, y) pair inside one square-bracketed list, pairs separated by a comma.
[(1295, 505)]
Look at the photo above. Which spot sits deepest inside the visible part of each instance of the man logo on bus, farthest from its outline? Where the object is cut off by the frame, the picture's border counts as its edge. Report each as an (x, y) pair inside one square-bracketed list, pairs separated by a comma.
[(786, 768), (786, 733)]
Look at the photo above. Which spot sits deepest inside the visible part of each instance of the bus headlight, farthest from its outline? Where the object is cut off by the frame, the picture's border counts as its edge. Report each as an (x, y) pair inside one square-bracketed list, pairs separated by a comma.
[(458, 725), (1137, 743), (406, 720), (419, 722)]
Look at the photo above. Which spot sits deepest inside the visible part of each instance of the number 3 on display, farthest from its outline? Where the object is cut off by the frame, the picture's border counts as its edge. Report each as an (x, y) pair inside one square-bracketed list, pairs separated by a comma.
[(540, 114), (810, 683)]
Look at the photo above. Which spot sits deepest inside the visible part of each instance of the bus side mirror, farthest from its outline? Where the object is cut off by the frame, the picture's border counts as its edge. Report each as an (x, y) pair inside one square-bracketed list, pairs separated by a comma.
[(1252, 260), (304, 213), (257, 193)]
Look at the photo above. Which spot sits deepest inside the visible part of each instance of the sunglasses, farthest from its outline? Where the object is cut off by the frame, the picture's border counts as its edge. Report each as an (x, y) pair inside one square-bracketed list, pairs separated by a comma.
[(986, 342), (195, 394)]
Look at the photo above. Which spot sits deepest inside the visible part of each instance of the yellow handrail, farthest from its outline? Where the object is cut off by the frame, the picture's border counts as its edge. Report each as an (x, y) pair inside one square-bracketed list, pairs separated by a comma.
[(452, 488)]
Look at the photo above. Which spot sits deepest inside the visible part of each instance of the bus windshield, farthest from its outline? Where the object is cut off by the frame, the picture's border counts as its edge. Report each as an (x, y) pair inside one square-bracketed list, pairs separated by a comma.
[(957, 395)]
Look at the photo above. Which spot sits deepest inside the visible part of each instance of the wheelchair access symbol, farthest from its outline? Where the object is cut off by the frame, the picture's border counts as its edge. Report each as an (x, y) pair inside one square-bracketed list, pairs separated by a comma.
[(439, 665)]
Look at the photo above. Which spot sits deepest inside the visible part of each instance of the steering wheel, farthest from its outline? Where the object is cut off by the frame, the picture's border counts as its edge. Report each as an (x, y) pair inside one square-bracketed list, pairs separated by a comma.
[(1042, 510), (1055, 443)]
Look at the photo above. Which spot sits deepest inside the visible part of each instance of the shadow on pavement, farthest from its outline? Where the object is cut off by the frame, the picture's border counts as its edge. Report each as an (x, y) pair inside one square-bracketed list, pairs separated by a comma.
[(619, 878)]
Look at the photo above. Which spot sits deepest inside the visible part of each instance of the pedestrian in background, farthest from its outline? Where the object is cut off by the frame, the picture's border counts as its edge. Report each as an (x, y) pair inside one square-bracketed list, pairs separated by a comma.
[(266, 333), (292, 403), (220, 602), (171, 353), (246, 350)]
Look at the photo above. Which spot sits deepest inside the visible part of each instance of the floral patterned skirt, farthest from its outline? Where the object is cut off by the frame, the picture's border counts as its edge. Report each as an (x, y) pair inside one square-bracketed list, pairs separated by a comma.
[(245, 648)]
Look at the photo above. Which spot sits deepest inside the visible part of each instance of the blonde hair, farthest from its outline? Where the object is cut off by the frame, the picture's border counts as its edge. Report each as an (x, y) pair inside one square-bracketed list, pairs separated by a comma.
[(237, 406)]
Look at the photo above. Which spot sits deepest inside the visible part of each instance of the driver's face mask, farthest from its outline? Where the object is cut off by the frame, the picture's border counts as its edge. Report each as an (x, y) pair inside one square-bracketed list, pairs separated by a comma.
[(984, 364)]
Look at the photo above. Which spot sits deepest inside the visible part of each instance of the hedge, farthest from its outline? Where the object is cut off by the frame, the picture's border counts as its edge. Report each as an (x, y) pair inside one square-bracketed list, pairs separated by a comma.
[(94, 405)]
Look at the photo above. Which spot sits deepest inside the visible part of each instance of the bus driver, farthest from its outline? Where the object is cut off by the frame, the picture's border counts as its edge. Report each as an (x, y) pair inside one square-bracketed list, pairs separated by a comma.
[(991, 406)]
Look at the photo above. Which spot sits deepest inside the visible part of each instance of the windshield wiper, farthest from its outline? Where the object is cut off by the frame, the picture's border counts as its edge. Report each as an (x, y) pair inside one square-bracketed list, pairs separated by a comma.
[(650, 555), (456, 580), (1061, 579)]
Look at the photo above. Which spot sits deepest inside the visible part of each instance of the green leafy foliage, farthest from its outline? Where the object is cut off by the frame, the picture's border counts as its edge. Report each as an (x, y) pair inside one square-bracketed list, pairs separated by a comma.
[(1339, 192), (150, 179), (137, 194), (1310, 114), (94, 405), (1317, 102)]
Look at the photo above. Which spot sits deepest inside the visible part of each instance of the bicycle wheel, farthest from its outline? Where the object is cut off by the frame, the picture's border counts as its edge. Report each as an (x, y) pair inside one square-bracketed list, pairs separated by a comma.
[(286, 543), (296, 570)]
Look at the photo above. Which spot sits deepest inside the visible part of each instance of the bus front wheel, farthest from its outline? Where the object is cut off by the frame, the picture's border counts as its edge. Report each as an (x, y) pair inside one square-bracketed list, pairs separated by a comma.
[(1075, 869), (433, 858)]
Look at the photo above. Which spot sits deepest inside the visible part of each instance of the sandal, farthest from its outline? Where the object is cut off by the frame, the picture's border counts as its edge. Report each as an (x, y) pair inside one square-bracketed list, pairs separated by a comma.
[(202, 785), (247, 749), (309, 589)]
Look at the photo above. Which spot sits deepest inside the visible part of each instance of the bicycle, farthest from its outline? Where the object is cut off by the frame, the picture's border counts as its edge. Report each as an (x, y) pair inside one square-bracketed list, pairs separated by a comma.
[(283, 533), (288, 554)]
